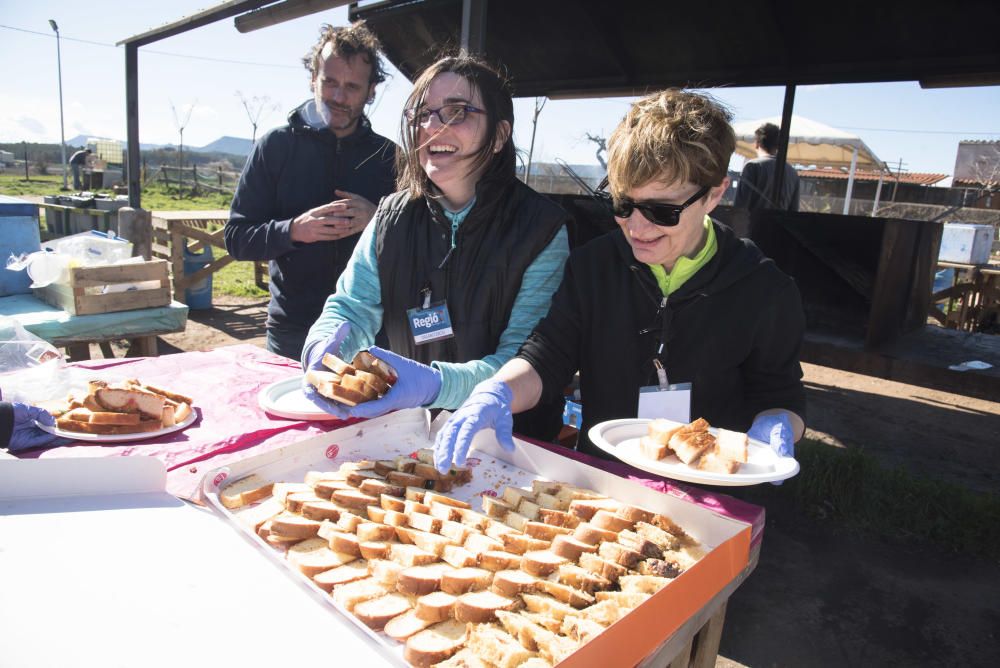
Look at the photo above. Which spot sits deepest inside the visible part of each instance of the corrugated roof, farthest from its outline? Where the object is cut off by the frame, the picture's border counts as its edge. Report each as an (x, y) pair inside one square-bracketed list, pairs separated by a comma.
[(919, 178)]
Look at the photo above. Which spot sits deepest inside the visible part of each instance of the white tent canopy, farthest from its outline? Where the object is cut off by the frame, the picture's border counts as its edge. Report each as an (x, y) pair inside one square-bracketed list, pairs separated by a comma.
[(810, 143)]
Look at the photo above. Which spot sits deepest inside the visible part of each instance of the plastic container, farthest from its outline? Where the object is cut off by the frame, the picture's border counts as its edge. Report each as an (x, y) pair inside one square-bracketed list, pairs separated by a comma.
[(93, 248), (199, 295), (45, 268), (18, 235)]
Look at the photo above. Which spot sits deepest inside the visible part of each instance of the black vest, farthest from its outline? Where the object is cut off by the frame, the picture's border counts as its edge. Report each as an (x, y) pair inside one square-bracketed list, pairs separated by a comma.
[(509, 225)]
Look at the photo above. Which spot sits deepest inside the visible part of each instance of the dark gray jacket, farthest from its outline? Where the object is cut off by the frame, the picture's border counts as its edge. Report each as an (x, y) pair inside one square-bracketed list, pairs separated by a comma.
[(292, 169), (757, 182)]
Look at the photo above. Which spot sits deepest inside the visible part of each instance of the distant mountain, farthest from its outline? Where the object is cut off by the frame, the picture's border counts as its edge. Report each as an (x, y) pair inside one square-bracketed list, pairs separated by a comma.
[(226, 144), (230, 145)]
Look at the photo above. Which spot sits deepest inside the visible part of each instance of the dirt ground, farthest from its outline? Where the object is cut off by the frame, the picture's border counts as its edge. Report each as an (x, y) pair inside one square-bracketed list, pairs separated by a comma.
[(821, 596)]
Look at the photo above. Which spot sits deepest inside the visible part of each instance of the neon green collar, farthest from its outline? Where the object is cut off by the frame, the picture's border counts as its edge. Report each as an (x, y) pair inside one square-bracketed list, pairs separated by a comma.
[(686, 267)]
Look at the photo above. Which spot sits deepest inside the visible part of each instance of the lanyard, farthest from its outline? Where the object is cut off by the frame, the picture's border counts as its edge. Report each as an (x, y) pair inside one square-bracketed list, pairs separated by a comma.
[(662, 330), (427, 291)]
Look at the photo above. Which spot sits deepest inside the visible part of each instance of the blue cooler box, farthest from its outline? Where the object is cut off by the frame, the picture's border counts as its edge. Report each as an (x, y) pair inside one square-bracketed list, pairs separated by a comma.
[(18, 234)]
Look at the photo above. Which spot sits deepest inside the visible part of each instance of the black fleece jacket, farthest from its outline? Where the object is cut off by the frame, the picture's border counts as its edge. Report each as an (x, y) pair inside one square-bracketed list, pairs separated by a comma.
[(733, 330), (292, 169)]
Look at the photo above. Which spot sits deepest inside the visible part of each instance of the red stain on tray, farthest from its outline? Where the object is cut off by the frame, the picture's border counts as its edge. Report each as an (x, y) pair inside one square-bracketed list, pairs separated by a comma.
[(218, 479), (333, 451)]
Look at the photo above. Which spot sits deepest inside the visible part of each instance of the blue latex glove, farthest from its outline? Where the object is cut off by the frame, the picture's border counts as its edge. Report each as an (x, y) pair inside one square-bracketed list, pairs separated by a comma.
[(416, 385), (488, 407), (314, 360), (26, 435), (775, 430)]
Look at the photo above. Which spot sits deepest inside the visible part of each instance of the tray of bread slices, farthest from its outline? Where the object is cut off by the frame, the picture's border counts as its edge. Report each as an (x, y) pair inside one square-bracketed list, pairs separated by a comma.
[(692, 452), (122, 411), (489, 564)]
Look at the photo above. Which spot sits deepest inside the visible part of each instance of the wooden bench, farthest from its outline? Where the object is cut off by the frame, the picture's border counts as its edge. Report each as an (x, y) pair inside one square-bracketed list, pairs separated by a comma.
[(973, 298)]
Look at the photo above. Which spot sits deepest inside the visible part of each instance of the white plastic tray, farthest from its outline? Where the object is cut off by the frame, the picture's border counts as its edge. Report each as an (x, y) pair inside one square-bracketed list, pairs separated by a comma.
[(404, 432)]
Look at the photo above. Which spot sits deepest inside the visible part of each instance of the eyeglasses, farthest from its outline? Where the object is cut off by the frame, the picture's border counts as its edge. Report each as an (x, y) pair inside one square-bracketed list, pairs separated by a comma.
[(664, 215), (449, 114)]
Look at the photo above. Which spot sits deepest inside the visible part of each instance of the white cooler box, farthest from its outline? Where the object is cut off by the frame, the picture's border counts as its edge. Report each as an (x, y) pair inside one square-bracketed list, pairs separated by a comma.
[(966, 243)]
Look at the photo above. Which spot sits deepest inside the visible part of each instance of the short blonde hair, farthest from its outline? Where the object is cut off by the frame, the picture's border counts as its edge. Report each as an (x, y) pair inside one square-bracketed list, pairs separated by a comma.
[(671, 136)]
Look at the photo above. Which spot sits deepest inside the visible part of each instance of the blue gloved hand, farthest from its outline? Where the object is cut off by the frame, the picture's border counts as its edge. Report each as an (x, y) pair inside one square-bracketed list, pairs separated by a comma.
[(775, 430), (416, 385), (26, 435), (314, 361), (488, 407)]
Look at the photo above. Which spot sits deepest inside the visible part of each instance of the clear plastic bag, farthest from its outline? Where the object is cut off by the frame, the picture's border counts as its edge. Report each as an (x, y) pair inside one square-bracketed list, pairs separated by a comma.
[(31, 369)]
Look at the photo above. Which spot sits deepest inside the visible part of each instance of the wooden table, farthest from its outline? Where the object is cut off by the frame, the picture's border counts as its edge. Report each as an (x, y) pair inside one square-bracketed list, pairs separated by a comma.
[(973, 299)]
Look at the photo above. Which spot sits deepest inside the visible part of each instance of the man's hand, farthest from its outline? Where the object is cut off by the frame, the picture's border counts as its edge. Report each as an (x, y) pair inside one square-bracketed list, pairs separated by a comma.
[(488, 407), (336, 220)]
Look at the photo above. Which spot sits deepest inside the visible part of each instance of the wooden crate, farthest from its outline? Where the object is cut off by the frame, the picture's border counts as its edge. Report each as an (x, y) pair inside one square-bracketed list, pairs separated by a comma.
[(84, 295)]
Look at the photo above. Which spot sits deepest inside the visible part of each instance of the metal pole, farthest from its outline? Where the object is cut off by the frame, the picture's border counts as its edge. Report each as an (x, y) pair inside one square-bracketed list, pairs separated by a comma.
[(782, 158), (473, 35), (62, 132), (850, 181), (878, 191)]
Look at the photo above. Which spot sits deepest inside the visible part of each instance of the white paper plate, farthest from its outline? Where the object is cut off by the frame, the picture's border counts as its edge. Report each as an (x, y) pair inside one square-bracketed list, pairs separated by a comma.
[(620, 438), (120, 438), (285, 399)]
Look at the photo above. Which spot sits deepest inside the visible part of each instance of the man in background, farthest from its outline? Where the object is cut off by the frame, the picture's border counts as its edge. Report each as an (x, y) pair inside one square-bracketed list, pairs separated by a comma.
[(78, 161), (757, 181), (310, 187)]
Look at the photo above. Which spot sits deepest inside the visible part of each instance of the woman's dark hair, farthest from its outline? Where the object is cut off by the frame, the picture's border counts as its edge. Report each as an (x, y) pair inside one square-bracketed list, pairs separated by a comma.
[(494, 90)]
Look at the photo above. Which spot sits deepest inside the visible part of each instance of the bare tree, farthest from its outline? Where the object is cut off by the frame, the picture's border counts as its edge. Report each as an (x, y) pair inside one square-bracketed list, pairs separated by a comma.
[(256, 108), (986, 174), (539, 105), (602, 147), (180, 128)]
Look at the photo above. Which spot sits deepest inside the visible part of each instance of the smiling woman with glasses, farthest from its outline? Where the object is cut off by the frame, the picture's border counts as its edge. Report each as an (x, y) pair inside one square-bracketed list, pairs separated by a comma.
[(670, 316), (458, 266)]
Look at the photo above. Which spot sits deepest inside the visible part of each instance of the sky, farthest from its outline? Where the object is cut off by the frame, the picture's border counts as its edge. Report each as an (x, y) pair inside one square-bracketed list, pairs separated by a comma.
[(195, 80)]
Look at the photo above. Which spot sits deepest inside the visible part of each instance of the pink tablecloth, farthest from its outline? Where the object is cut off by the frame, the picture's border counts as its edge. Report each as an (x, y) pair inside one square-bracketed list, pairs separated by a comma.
[(224, 384)]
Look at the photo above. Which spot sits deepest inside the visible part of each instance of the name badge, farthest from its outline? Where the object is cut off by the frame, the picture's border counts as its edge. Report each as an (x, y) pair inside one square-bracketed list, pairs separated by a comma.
[(672, 402), (432, 323)]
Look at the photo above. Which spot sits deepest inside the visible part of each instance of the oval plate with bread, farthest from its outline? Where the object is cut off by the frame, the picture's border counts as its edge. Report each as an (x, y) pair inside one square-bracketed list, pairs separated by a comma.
[(120, 438), (643, 443), (119, 412)]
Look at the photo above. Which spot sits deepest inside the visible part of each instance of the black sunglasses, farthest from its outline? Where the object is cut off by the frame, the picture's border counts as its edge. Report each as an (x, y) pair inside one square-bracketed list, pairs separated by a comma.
[(664, 215)]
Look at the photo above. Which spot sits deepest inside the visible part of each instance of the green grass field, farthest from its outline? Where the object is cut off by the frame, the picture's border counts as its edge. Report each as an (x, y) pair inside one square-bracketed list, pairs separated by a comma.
[(236, 279)]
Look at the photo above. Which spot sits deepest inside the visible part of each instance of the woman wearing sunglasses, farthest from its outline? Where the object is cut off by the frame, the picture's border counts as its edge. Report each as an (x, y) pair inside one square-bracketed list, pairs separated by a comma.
[(671, 298), (458, 266)]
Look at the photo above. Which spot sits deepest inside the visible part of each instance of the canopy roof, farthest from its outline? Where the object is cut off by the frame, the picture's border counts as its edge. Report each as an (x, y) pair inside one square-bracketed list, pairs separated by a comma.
[(810, 143), (581, 48)]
